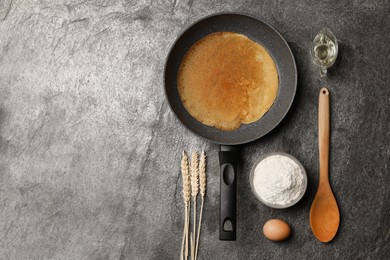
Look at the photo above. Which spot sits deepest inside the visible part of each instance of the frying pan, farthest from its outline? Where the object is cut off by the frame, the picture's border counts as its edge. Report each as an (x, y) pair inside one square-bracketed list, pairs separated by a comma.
[(267, 36)]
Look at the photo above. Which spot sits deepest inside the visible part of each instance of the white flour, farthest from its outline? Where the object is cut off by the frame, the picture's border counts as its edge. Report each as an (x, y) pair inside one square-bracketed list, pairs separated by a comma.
[(278, 180)]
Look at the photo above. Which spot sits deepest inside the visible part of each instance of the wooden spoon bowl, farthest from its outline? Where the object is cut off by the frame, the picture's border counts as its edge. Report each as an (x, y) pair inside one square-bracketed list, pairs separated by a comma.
[(324, 212), (324, 215)]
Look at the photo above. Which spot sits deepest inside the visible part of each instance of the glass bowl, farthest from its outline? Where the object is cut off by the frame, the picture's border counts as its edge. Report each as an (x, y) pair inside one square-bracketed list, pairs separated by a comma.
[(278, 206)]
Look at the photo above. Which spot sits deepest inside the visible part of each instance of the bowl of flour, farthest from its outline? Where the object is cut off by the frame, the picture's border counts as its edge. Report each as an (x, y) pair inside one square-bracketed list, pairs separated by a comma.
[(278, 180)]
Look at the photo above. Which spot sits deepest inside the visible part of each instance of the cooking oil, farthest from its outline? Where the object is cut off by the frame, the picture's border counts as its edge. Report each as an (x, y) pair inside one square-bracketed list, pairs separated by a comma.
[(324, 50)]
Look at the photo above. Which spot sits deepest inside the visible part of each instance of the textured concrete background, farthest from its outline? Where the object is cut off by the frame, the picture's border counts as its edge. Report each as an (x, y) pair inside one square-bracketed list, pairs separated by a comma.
[(90, 151)]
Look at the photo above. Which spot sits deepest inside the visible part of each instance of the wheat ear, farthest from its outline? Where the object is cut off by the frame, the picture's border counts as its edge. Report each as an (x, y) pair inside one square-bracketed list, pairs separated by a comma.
[(186, 195), (202, 182), (194, 191)]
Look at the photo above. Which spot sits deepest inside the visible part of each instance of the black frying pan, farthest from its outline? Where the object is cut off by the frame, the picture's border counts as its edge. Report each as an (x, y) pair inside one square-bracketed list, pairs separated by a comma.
[(264, 34)]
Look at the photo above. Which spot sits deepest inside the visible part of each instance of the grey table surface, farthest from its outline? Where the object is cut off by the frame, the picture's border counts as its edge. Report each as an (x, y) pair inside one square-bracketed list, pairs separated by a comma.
[(90, 151)]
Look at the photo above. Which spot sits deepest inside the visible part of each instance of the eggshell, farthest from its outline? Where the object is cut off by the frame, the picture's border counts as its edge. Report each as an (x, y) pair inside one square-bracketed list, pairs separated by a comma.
[(276, 230)]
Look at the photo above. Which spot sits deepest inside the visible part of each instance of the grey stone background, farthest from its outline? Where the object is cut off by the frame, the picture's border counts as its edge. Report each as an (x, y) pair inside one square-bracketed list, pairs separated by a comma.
[(90, 151)]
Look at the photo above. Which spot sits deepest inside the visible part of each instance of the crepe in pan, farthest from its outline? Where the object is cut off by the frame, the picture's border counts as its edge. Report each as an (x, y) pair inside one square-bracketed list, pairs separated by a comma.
[(226, 80)]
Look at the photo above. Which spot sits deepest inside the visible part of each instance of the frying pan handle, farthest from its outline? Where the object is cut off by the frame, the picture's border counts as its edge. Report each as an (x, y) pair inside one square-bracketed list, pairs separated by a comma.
[(228, 158)]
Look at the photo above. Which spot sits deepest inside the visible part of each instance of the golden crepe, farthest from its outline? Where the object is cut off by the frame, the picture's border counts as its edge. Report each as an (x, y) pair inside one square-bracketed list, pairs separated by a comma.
[(226, 79)]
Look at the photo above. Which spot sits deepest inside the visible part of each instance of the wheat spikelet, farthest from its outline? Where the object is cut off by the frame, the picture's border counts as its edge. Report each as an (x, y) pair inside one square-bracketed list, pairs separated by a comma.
[(202, 174), (186, 178), (194, 175)]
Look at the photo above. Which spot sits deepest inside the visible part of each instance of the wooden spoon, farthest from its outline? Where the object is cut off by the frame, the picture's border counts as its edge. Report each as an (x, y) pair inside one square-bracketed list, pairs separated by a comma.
[(324, 212)]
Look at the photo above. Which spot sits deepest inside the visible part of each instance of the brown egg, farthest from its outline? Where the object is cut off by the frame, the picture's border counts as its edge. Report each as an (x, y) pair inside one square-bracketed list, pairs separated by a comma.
[(276, 230)]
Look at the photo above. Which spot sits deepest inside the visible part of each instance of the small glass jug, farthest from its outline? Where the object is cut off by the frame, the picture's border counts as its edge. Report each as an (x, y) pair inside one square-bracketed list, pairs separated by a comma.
[(324, 50)]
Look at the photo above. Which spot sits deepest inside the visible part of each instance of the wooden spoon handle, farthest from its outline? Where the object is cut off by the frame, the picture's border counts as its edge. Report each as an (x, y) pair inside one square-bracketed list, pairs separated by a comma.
[(323, 134)]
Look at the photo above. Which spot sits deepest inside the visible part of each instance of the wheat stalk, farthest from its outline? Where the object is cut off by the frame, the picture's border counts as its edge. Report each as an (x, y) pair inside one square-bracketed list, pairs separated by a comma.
[(194, 191), (186, 196), (192, 247), (202, 181)]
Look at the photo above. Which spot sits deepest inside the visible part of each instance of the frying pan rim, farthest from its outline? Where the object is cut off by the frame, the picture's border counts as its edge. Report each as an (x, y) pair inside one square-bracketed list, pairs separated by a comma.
[(182, 32)]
